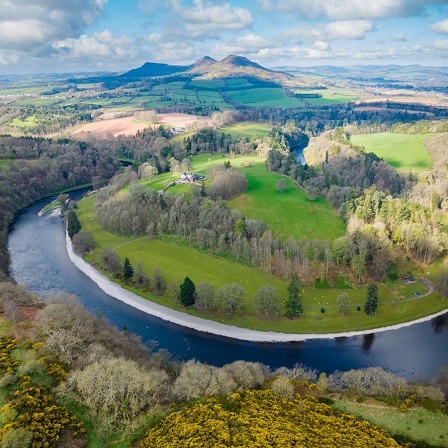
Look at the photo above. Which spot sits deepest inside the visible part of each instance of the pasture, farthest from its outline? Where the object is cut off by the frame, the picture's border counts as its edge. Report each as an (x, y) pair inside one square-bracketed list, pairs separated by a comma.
[(264, 96), (249, 129), (417, 424), (178, 260), (327, 97), (402, 151)]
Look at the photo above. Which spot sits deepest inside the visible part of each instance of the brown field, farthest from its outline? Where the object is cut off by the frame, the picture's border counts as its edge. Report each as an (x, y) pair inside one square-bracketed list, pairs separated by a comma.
[(116, 126), (130, 126), (182, 120)]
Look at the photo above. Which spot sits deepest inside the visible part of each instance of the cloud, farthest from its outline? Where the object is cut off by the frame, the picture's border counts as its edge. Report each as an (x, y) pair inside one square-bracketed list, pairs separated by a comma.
[(348, 9), (441, 27), (169, 50), (207, 19), (248, 44), (400, 37), (441, 44), (30, 28), (344, 29), (103, 45)]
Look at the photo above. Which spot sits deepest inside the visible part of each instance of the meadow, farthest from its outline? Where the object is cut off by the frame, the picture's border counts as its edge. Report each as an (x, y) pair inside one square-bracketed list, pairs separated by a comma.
[(416, 424), (249, 129), (327, 97), (264, 96), (402, 151), (178, 260)]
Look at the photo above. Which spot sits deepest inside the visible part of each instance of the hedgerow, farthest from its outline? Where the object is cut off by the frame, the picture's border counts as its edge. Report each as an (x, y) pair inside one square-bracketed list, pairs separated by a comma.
[(259, 418)]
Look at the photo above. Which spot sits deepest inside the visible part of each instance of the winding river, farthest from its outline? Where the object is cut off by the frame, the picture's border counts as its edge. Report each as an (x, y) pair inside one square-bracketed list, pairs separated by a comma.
[(40, 261)]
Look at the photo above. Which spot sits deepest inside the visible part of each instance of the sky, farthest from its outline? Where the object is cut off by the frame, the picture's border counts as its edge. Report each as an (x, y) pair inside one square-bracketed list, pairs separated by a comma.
[(54, 36)]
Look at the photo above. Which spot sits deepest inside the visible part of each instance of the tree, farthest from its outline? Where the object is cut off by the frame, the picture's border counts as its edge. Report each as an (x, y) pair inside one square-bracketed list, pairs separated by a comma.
[(205, 296), (281, 185), (343, 304), (294, 304), (266, 302), (230, 297), (371, 300), (111, 261), (16, 438), (158, 282), (442, 283), (73, 224), (83, 242), (140, 279), (187, 292), (128, 270)]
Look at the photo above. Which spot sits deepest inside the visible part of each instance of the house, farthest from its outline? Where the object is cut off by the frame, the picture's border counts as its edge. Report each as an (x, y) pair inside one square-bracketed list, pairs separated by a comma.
[(189, 177)]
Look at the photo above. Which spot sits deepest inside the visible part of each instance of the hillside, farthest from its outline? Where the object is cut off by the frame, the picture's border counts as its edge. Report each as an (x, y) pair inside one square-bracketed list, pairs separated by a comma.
[(231, 66)]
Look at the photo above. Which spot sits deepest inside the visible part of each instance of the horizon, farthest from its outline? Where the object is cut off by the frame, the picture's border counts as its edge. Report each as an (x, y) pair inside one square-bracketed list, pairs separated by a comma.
[(109, 36)]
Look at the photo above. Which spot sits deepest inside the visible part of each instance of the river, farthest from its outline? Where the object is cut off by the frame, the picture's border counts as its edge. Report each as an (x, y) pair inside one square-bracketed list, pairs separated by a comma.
[(40, 261)]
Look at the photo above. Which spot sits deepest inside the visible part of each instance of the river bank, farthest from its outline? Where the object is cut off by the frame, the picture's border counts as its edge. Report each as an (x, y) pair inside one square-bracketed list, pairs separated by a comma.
[(209, 326)]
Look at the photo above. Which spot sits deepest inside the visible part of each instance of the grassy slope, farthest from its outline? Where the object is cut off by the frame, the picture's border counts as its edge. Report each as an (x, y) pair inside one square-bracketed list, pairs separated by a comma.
[(290, 213), (265, 96), (177, 261), (249, 129), (417, 424), (402, 151)]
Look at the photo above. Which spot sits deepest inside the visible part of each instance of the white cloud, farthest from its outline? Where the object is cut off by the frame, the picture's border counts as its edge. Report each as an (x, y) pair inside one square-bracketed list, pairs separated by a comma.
[(30, 27), (207, 19), (441, 27), (248, 44), (345, 29), (166, 50), (441, 44), (348, 9), (103, 45), (400, 37)]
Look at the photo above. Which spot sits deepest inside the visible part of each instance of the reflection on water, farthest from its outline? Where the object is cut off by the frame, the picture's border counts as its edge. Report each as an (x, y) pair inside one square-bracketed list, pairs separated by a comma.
[(439, 323), (367, 341), (39, 260)]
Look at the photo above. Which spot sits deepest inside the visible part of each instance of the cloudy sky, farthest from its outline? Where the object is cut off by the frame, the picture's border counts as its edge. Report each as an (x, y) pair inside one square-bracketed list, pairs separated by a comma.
[(116, 35)]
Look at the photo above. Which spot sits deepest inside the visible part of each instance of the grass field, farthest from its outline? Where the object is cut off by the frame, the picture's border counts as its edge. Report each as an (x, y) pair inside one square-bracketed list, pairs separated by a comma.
[(266, 96), (6, 328), (288, 214), (402, 151), (417, 424), (248, 129), (327, 97), (177, 260)]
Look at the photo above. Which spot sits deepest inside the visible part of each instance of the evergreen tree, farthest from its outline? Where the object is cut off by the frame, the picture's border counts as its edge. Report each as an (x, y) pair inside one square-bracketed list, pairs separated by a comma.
[(372, 299), (128, 270), (187, 292), (73, 224), (294, 304)]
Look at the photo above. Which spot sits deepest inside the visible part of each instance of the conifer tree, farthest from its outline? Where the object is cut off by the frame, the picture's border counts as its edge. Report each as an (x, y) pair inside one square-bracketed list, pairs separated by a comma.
[(371, 300), (187, 292), (294, 304), (128, 270), (73, 224)]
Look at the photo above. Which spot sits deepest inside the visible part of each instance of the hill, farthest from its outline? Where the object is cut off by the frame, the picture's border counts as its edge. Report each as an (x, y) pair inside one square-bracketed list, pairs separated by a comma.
[(154, 69), (231, 66)]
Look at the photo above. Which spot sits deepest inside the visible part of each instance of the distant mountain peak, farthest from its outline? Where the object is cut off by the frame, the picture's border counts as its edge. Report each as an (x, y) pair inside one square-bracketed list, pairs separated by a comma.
[(240, 61), (206, 60)]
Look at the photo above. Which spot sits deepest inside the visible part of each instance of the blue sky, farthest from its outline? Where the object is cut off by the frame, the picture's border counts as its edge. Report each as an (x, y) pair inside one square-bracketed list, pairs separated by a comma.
[(116, 35)]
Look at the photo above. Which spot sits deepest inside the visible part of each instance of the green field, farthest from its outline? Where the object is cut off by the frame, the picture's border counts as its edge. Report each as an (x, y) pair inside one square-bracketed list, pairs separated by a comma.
[(416, 424), (177, 260), (288, 214), (27, 122), (265, 96), (402, 151), (248, 129), (327, 97)]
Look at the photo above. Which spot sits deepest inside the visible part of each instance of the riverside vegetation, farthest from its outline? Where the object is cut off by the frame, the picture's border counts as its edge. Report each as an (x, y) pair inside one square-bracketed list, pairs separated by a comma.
[(68, 379)]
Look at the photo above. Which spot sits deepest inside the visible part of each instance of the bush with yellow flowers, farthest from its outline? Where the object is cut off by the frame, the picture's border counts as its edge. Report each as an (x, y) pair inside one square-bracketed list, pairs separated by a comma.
[(39, 414), (259, 418), (7, 365)]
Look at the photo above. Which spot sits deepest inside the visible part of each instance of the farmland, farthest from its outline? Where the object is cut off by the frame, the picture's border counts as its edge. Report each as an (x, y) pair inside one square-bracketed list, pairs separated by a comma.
[(247, 129), (402, 151)]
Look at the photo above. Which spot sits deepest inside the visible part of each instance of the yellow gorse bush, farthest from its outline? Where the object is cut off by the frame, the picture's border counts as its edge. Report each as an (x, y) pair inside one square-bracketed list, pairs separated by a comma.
[(258, 418), (7, 365)]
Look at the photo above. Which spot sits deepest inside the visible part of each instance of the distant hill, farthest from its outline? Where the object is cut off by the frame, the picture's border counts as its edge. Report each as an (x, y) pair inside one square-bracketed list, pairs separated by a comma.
[(154, 69), (208, 68), (387, 73)]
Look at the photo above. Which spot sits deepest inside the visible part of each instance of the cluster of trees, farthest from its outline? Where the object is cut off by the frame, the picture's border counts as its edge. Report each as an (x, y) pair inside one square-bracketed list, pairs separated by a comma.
[(53, 165), (226, 182)]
